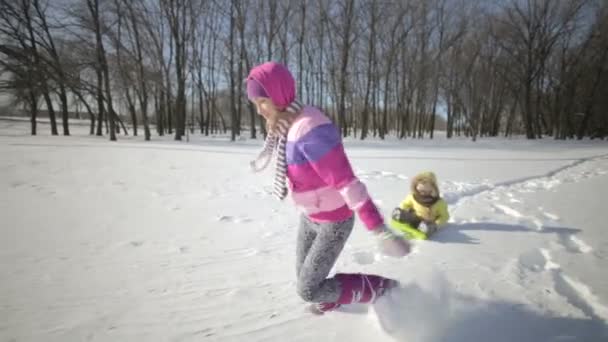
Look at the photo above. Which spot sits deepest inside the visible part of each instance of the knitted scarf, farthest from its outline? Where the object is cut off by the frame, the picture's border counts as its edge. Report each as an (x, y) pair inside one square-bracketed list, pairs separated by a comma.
[(275, 145)]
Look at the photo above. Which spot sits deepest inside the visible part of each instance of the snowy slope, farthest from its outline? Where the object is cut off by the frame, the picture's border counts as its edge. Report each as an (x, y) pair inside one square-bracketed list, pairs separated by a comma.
[(167, 241)]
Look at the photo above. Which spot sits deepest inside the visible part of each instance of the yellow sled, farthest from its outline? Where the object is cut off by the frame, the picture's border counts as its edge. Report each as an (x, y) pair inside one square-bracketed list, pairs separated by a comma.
[(409, 232)]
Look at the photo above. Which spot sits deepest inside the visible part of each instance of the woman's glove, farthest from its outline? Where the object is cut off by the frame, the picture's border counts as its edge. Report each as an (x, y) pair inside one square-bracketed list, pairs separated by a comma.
[(391, 244)]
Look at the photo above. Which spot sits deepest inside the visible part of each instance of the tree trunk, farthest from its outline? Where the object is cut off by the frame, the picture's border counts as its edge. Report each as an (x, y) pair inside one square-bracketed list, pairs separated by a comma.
[(371, 53), (49, 107), (100, 106), (63, 97), (132, 111), (345, 56), (42, 73), (301, 45), (120, 123), (88, 107), (594, 89), (450, 117), (102, 64), (233, 109), (528, 110), (34, 111)]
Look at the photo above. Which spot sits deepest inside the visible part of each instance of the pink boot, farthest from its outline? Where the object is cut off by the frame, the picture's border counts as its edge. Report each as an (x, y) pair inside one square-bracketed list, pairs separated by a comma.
[(321, 308), (356, 288), (362, 288)]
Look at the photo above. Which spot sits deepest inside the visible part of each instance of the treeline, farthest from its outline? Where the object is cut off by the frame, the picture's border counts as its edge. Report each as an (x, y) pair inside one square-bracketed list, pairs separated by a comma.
[(377, 67)]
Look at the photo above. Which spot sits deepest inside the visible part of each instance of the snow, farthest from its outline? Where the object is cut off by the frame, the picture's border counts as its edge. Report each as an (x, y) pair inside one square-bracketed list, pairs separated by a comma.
[(175, 241)]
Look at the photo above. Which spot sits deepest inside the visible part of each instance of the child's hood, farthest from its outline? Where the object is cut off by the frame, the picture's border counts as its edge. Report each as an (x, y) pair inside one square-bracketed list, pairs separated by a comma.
[(277, 81), (425, 177)]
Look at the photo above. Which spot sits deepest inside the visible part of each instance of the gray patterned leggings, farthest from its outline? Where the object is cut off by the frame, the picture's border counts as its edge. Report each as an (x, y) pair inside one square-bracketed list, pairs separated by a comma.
[(318, 248)]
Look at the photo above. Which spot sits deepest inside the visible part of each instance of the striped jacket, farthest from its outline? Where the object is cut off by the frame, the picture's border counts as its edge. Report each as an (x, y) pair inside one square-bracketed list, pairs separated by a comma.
[(320, 176)]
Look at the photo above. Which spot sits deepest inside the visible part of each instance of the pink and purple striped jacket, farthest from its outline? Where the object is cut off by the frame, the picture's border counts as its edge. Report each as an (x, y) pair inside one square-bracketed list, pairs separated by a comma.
[(320, 176)]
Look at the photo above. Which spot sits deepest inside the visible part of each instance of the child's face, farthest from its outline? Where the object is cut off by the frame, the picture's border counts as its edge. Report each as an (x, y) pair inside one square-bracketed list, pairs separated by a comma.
[(425, 189), (266, 108)]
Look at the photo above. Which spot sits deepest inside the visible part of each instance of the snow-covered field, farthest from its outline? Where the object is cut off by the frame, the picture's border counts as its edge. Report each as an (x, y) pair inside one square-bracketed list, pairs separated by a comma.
[(175, 241)]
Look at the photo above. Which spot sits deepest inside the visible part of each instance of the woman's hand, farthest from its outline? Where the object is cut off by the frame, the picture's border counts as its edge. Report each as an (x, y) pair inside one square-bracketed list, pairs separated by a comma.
[(391, 244)]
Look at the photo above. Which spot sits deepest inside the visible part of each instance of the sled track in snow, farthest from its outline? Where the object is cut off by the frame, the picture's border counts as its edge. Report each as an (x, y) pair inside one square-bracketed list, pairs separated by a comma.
[(454, 198)]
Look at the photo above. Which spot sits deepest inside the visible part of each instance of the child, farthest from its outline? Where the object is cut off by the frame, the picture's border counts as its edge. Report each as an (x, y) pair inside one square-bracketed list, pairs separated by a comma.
[(310, 155), (423, 205)]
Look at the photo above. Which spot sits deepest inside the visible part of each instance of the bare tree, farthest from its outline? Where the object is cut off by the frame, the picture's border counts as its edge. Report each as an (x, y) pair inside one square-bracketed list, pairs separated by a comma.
[(371, 65), (528, 33), (137, 38), (17, 62), (181, 16), (598, 59), (102, 67), (231, 72), (54, 65), (343, 26), (18, 24)]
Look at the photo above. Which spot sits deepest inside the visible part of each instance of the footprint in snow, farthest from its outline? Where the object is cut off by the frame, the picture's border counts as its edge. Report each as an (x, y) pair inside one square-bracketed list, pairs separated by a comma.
[(136, 243), (364, 258), (234, 219), (574, 245)]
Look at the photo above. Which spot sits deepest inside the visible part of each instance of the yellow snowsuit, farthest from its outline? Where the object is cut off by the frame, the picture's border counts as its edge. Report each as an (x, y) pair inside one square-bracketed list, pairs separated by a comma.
[(437, 212)]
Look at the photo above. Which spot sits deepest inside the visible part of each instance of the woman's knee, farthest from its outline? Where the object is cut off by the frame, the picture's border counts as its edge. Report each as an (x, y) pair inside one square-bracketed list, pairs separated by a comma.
[(306, 291)]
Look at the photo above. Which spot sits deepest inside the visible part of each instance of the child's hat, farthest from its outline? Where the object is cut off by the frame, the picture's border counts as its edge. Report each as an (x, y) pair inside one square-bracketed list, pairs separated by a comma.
[(272, 80)]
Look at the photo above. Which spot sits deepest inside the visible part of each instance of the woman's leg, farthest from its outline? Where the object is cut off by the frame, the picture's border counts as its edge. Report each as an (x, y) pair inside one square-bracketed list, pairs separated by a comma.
[(313, 285), (306, 236)]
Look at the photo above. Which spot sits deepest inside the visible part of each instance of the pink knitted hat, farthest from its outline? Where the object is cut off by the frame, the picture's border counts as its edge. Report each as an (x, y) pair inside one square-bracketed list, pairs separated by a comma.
[(275, 81)]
